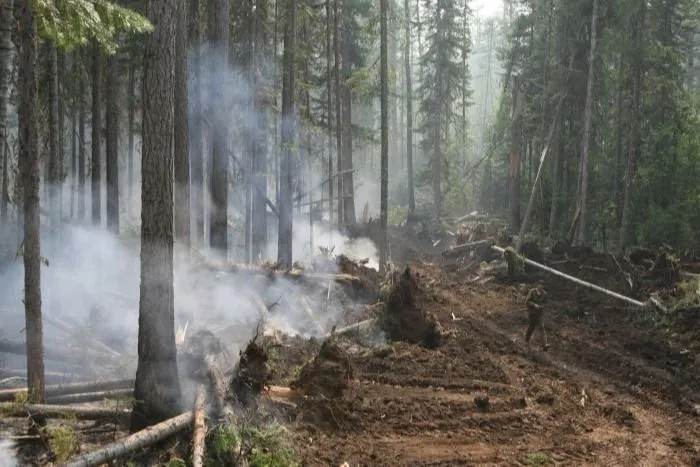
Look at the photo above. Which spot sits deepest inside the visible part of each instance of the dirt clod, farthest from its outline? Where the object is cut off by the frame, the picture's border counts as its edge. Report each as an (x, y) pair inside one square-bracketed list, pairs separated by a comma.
[(328, 373), (406, 317)]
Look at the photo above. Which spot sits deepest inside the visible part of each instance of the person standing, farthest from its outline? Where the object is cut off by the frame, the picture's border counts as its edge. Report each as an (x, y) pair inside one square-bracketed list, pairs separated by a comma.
[(536, 298)]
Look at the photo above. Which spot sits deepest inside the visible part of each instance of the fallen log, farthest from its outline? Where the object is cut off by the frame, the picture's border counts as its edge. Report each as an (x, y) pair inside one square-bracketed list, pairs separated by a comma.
[(284, 393), (216, 379), (50, 377), (73, 388), (90, 396), (653, 301), (465, 248), (20, 348), (96, 344), (10, 409), (200, 428), (350, 328), (291, 273), (134, 442)]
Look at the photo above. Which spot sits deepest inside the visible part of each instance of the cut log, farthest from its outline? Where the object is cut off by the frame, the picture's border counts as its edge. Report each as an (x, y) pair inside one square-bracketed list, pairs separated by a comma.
[(200, 428), (134, 442), (466, 248), (90, 396), (285, 393), (10, 409), (353, 327), (588, 285), (73, 388)]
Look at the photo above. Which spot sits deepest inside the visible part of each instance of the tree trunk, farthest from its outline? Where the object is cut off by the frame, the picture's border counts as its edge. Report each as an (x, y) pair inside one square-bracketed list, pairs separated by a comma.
[(182, 156), (347, 194), (55, 151), (635, 130), (6, 23), (96, 127), (218, 231), (409, 109), (338, 107), (384, 97), (197, 133), (131, 129), (329, 111), (112, 143), (259, 214), (30, 173), (157, 387), (580, 237), (284, 240), (515, 148), (82, 156)]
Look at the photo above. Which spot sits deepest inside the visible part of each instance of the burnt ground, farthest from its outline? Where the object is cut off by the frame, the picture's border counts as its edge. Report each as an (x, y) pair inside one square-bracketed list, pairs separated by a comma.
[(612, 389)]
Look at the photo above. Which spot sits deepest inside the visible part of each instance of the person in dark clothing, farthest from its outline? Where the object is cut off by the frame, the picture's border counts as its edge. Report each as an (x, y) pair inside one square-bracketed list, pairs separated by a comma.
[(536, 298)]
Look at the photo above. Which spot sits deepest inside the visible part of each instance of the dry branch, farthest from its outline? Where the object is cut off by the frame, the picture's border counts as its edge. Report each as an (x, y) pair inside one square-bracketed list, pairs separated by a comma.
[(73, 388), (200, 428), (353, 327), (10, 409), (90, 396), (585, 284), (465, 248), (134, 442)]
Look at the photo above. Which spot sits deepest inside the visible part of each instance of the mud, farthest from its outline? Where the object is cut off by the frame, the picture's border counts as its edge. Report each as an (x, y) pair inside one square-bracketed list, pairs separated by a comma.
[(407, 317)]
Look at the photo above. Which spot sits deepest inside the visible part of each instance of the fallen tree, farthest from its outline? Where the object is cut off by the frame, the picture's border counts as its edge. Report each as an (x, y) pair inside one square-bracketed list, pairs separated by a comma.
[(459, 250), (134, 442), (73, 388), (90, 396), (11, 409), (200, 427), (651, 302)]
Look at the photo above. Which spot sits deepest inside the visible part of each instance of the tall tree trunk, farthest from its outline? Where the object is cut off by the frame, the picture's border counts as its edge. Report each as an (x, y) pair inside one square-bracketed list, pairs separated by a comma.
[(112, 143), (515, 149), (329, 109), (73, 142), (348, 195), (82, 156), (409, 109), (6, 47), (96, 126), (157, 387), (580, 237), (218, 231), (259, 220), (384, 97), (182, 155), (338, 107), (284, 240), (635, 130), (30, 173), (197, 133), (55, 151), (131, 116)]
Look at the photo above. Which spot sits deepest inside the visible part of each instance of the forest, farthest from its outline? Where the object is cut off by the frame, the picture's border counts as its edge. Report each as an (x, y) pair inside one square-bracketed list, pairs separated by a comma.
[(270, 232)]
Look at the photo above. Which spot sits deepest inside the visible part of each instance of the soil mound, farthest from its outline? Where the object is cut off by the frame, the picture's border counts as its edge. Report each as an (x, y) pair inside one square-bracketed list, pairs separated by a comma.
[(328, 374), (251, 375), (407, 318)]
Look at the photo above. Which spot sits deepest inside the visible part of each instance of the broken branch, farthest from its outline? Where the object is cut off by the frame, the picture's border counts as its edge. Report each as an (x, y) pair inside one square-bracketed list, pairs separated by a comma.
[(134, 442), (353, 327), (73, 388), (465, 248)]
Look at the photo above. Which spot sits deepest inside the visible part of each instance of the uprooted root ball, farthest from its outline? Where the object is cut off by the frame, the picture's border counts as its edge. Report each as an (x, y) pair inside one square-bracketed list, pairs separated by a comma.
[(406, 319), (327, 374), (251, 375)]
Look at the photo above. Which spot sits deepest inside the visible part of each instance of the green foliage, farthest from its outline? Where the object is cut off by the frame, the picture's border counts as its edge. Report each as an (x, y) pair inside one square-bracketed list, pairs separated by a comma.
[(176, 462), (71, 23), (397, 214), (538, 459), (64, 443), (269, 448)]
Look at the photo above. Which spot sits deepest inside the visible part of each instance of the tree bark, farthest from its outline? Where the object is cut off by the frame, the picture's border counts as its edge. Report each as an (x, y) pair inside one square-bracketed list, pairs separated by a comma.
[(30, 174), (284, 240), (112, 143), (82, 156), (157, 387), (96, 127), (338, 107), (182, 156), (6, 47), (580, 237), (329, 108), (55, 149), (347, 194), (218, 232), (515, 148)]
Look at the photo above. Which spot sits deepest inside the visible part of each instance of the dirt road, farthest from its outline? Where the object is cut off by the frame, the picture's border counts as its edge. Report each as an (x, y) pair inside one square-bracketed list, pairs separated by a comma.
[(607, 393)]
